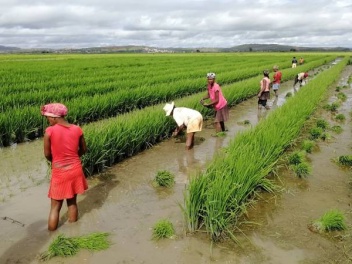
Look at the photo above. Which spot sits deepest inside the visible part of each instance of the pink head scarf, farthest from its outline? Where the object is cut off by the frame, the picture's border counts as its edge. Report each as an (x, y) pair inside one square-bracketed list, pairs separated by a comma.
[(54, 110)]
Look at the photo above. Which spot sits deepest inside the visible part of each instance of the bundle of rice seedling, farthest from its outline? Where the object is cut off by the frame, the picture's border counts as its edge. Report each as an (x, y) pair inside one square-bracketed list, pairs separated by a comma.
[(345, 160), (64, 246), (331, 220), (163, 229), (164, 178)]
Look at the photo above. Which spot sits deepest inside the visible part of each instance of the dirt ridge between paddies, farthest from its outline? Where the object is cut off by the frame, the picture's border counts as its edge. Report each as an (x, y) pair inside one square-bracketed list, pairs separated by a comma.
[(217, 198)]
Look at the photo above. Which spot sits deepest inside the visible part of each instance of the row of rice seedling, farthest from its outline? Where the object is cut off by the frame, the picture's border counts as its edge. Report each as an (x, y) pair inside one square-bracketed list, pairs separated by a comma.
[(18, 124), (114, 139), (78, 85), (217, 198)]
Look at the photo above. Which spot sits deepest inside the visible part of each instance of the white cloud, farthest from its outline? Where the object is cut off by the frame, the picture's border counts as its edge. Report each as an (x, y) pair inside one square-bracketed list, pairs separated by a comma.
[(192, 23)]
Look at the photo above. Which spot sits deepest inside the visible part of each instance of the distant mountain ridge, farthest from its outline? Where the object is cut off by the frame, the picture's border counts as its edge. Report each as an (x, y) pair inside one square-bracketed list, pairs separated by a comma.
[(146, 49)]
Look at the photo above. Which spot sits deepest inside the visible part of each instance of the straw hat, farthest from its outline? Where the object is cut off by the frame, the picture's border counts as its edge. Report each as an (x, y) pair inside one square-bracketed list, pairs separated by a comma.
[(168, 108)]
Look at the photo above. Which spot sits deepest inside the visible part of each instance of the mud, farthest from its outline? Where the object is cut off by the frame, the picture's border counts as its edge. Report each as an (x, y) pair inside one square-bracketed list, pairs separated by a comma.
[(123, 202)]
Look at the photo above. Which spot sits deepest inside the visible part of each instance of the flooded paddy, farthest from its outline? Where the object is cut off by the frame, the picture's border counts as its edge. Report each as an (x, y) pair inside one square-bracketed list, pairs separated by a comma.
[(123, 202)]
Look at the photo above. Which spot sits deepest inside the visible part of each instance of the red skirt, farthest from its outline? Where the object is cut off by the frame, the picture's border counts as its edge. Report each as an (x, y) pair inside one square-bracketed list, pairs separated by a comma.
[(67, 181)]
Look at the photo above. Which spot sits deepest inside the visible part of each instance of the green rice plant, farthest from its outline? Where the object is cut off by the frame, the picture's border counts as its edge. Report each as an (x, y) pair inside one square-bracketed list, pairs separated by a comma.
[(216, 199), (63, 246), (325, 136), (246, 122), (337, 129), (322, 123), (332, 107), (164, 178), (338, 89), (308, 145), (221, 134), (289, 94), (345, 160), (302, 169), (342, 96), (340, 117), (315, 133), (163, 229), (296, 157), (330, 221)]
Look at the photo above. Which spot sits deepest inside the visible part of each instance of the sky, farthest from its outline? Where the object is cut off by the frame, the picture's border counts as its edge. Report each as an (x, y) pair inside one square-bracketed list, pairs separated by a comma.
[(179, 23)]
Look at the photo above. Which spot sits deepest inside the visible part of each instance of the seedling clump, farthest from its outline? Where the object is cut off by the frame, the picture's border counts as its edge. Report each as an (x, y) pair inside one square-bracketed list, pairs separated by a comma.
[(296, 157), (345, 160), (322, 124), (302, 169), (315, 132), (163, 229), (308, 145), (64, 246), (340, 117), (164, 178), (330, 221)]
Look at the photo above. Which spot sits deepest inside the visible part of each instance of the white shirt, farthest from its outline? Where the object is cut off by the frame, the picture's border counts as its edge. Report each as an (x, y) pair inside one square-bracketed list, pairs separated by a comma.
[(301, 76), (183, 115)]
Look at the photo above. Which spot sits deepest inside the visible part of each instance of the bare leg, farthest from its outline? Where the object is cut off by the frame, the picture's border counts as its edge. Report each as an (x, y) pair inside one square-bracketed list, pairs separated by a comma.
[(54, 214), (222, 124), (217, 127), (72, 209), (190, 140)]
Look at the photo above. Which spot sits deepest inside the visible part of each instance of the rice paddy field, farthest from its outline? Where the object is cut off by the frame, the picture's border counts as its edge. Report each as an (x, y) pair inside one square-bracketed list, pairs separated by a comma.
[(234, 198)]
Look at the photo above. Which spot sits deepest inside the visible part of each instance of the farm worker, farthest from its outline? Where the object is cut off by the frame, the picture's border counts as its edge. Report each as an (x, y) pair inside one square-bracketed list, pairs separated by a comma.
[(264, 93), (218, 102), (300, 78), (276, 79), (301, 61), (64, 143), (294, 62), (185, 118)]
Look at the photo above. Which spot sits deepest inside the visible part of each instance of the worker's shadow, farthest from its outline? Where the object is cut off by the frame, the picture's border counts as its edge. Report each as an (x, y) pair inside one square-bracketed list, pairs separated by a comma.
[(27, 249)]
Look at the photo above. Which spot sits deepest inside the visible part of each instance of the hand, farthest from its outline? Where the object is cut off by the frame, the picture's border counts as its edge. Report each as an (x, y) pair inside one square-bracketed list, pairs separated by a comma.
[(174, 134)]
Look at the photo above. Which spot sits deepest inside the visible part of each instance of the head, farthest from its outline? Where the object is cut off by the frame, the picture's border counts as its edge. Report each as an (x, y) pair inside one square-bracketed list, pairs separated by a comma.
[(53, 112), (275, 68), (168, 108), (266, 73), (305, 75), (211, 78)]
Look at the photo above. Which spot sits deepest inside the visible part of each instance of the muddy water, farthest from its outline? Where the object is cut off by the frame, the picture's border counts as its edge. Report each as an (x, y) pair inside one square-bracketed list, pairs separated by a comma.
[(124, 203)]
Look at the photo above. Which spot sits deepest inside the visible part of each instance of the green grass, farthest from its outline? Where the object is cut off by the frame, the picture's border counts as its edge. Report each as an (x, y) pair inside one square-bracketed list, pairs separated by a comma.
[(164, 178), (341, 96), (163, 229), (332, 107), (63, 246), (330, 221)]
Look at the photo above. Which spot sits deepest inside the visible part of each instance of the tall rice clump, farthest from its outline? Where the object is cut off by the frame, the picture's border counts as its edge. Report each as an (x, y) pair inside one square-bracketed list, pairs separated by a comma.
[(330, 221), (64, 246), (217, 198)]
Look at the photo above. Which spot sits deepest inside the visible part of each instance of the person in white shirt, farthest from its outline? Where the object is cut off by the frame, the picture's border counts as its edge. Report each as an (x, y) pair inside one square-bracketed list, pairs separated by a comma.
[(300, 77), (186, 118)]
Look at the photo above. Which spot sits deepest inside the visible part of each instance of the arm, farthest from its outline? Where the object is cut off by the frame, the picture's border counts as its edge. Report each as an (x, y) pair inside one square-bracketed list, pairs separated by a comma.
[(262, 88), (82, 146), (47, 147), (178, 130), (205, 97), (215, 101)]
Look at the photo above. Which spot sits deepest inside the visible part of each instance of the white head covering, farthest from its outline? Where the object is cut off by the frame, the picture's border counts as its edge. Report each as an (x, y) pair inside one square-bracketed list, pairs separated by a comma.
[(211, 75), (168, 108)]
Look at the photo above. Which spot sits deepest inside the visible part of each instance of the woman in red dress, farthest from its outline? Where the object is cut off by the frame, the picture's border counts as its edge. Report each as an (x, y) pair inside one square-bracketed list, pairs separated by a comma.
[(64, 144)]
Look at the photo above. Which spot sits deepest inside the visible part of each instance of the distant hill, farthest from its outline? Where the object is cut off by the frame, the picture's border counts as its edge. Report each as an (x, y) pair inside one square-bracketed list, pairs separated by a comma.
[(8, 49), (146, 49)]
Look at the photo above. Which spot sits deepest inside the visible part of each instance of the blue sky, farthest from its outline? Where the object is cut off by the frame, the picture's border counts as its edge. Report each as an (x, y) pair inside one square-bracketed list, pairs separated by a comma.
[(191, 24)]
